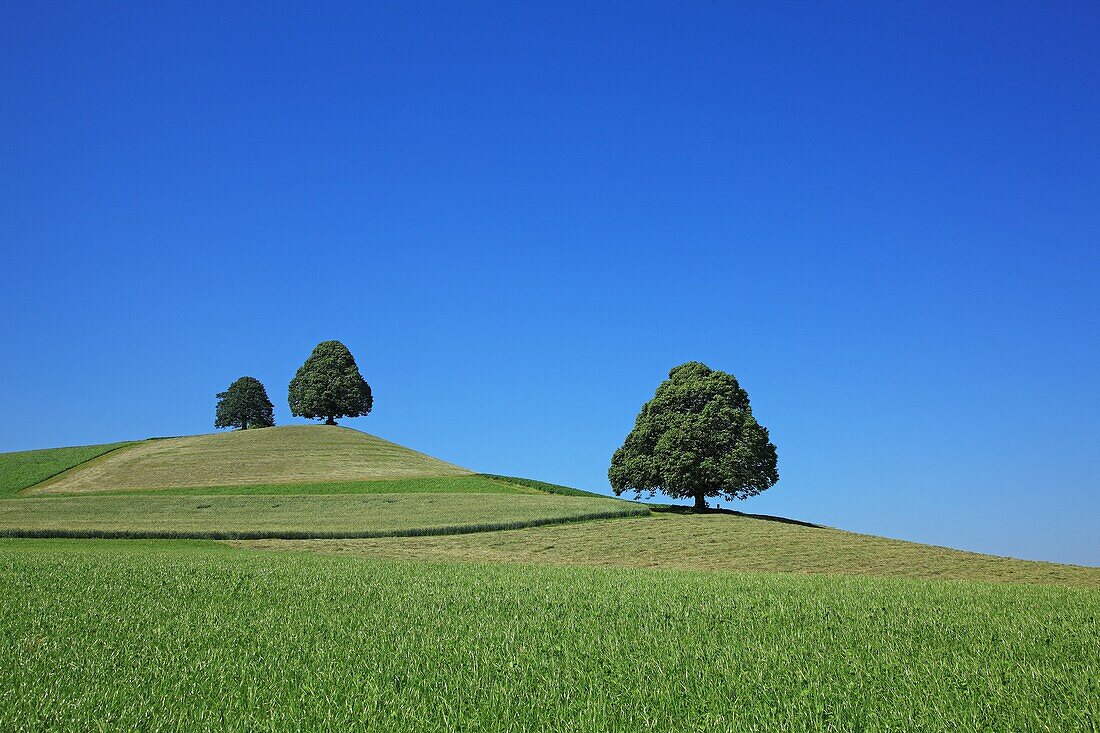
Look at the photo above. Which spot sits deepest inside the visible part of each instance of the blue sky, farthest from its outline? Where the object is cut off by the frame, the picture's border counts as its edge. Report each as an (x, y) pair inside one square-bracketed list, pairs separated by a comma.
[(882, 218)]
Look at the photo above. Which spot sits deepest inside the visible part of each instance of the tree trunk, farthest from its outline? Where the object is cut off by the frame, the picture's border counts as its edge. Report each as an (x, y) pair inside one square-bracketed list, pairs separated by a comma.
[(331, 420), (700, 503)]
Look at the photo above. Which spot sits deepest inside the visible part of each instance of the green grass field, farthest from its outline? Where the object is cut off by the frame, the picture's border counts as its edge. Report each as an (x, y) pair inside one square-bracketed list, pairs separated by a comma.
[(188, 636), (370, 587)]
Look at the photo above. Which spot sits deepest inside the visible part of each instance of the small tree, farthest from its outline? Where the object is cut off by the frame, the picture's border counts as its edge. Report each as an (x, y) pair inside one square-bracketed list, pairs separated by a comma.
[(696, 438), (244, 405), (329, 385)]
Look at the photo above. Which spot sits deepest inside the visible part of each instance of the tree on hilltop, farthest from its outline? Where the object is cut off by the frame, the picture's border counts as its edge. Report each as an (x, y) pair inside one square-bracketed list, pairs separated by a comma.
[(697, 438), (244, 405), (329, 385)]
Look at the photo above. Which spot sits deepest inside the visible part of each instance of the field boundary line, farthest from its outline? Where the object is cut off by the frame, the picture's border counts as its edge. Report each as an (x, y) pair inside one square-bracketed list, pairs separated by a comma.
[(126, 534)]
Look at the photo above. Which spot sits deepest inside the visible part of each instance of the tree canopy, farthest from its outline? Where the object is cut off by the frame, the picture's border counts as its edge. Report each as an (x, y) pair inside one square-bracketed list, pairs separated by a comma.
[(244, 405), (697, 438), (329, 385)]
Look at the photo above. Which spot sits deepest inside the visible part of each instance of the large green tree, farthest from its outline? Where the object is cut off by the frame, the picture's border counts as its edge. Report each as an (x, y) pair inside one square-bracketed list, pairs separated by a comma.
[(697, 438), (329, 385), (244, 405)]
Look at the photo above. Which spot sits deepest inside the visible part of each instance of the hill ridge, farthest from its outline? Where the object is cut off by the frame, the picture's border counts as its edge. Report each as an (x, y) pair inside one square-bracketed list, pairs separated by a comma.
[(286, 454)]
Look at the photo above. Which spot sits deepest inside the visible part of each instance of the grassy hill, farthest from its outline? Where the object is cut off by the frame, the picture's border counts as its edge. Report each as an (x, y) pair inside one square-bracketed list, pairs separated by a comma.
[(282, 455), (373, 586), (340, 491), (306, 481)]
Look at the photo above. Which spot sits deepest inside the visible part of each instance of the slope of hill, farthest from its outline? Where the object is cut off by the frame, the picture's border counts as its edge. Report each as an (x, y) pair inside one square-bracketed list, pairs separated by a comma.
[(281, 455), (308, 515), (308, 481), (23, 469), (729, 542)]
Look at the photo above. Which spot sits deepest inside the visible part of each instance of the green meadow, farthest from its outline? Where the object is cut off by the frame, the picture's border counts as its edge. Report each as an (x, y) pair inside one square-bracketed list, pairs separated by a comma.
[(193, 636), (362, 586)]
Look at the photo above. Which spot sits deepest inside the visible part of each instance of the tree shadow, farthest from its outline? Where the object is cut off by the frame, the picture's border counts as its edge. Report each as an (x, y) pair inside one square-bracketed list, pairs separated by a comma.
[(680, 509)]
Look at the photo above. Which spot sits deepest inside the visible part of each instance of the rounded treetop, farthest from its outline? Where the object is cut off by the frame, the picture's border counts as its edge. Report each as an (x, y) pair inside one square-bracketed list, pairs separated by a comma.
[(244, 405), (328, 385), (696, 438)]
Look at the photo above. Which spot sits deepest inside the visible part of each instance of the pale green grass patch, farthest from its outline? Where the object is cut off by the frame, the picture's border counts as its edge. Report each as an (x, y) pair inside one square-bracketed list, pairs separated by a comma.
[(471, 484), (713, 542), (342, 515), (293, 454)]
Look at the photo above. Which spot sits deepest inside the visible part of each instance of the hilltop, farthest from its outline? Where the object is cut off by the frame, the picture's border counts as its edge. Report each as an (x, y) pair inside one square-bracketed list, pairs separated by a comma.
[(281, 455)]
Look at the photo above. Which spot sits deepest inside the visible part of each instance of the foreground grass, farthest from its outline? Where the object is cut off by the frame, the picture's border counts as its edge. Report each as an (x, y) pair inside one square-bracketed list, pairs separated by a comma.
[(27, 468), (713, 542), (369, 515), (293, 454), (185, 636)]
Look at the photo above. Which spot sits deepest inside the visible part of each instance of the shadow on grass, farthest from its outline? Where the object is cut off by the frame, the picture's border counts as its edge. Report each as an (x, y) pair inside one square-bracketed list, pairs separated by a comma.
[(680, 509)]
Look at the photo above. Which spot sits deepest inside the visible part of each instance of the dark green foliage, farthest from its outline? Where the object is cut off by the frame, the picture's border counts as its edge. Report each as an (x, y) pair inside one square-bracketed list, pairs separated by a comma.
[(329, 385), (244, 405), (541, 485), (696, 438)]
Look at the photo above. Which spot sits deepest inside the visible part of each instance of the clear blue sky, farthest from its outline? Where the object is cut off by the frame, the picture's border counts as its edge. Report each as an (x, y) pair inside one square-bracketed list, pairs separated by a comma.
[(884, 219)]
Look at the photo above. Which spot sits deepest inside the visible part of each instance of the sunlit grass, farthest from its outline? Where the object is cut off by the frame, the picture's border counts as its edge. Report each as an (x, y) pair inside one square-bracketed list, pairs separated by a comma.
[(154, 636), (470, 484), (295, 454), (310, 515), (27, 468), (714, 542)]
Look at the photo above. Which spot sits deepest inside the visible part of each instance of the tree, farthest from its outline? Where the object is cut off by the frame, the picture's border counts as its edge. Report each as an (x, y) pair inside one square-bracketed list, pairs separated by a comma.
[(329, 385), (696, 438), (244, 405)]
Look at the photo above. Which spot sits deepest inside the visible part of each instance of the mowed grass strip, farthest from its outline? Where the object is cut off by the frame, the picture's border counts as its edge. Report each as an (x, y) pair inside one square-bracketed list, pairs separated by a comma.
[(282, 455), (26, 468), (294, 516), (713, 542), (544, 487), (473, 484), (181, 636)]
